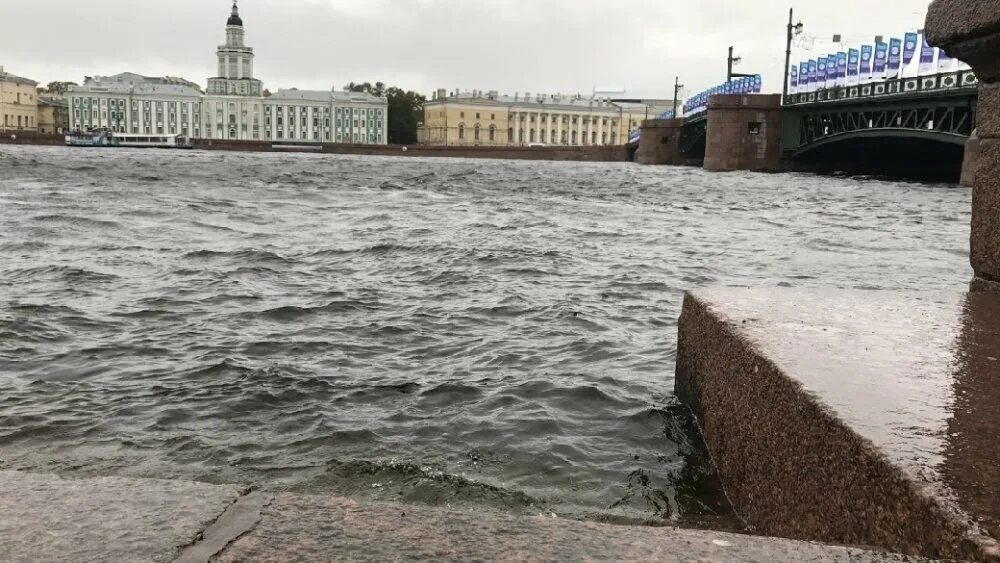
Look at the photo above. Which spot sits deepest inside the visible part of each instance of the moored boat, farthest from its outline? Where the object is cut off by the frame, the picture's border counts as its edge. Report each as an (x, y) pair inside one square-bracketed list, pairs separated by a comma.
[(98, 138)]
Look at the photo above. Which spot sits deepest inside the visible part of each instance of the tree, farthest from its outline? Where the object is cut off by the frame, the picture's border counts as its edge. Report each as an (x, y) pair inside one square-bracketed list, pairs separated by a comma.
[(58, 88), (405, 108)]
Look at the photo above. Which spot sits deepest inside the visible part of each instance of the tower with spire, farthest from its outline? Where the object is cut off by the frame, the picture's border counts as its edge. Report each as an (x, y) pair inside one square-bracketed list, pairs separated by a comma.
[(235, 63)]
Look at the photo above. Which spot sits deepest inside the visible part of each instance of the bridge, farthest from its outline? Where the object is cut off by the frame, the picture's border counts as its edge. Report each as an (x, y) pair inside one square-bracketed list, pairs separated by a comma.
[(917, 125)]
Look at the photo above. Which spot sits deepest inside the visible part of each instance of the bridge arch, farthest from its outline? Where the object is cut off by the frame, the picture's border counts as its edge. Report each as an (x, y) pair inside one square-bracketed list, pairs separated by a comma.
[(895, 152), (884, 133)]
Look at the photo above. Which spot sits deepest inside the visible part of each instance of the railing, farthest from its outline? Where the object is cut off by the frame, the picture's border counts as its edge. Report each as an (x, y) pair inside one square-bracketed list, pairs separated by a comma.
[(948, 81), (698, 103)]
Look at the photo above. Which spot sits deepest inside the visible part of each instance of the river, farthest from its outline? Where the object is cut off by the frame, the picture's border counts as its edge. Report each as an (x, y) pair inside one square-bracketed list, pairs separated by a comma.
[(448, 331)]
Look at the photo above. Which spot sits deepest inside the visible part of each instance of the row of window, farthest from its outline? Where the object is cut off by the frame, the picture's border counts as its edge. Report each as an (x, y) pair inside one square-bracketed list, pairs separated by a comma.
[(87, 103), (565, 119), (220, 133), (28, 121), (17, 99), (116, 117), (567, 137)]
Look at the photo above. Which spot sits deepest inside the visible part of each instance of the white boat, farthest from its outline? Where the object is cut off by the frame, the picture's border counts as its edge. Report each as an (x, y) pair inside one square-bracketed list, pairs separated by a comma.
[(100, 138), (105, 138), (153, 141)]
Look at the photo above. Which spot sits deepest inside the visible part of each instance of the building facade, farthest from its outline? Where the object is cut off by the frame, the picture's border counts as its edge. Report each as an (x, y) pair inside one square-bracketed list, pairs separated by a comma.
[(18, 103), (489, 119), (53, 114), (234, 106)]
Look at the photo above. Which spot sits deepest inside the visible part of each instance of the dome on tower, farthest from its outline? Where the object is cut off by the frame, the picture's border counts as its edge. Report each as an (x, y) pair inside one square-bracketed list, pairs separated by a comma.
[(234, 19)]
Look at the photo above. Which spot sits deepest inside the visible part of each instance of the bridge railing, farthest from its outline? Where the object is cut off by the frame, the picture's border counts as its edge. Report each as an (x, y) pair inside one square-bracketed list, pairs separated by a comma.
[(698, 103), (894, 87)]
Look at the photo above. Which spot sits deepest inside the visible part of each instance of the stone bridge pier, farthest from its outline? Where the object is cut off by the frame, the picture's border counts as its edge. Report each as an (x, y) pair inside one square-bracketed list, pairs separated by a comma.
[(970, 31), (659, 142)]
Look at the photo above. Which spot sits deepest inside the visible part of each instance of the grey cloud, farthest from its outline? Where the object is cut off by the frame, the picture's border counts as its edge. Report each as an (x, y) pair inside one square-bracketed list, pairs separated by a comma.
[(547, 46)]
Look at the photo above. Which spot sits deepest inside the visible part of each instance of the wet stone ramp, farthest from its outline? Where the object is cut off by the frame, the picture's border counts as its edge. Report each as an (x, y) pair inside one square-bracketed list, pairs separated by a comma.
[(48, 518)]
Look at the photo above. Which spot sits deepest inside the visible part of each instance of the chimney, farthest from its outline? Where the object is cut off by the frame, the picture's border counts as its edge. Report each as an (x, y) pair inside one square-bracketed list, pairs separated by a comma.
[(441, 93)]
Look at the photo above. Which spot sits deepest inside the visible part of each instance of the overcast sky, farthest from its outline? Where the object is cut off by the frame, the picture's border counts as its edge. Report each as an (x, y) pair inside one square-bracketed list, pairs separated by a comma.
[(548, 46)]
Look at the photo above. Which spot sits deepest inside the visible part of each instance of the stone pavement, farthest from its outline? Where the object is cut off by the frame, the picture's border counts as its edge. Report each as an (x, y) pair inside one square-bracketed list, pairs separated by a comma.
[(47, 518), (853, 417)]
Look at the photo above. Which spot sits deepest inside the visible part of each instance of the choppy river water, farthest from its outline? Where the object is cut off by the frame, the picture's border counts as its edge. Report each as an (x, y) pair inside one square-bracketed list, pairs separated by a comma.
[(447, 331)]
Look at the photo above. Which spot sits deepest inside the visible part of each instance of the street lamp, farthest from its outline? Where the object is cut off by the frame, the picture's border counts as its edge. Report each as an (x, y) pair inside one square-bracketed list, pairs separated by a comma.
[(794, 30), (733, 61), (677, 91)]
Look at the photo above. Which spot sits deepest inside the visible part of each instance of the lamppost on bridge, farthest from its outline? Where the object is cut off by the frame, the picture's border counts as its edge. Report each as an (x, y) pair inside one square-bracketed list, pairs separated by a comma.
[(793, 30), (731, 62), (677, 92)]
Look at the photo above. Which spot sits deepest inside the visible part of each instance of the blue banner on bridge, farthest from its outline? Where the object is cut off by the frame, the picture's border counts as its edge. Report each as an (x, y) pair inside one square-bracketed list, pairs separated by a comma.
[(746, 85), (841, 68), (895, 56), (909, 47), (926, 57), (866, 63), (853, 58), (881, 57)]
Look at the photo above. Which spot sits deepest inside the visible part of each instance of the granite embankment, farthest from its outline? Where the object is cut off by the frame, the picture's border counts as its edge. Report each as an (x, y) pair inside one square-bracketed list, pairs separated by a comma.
[(583, 154), (48, 518)]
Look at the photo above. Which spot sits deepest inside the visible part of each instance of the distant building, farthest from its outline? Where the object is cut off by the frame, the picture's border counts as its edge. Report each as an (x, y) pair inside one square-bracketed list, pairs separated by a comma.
[(53, 114), (18, 103), (233, 107), (490, 119)]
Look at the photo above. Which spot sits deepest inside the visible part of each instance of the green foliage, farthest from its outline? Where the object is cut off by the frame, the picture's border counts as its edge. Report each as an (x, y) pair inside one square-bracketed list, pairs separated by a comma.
[(59, 88), (406, 109)]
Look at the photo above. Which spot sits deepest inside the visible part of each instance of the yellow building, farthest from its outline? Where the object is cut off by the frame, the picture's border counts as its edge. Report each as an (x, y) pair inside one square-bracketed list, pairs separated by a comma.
[(53, 115), (18, 103), (488, 119)]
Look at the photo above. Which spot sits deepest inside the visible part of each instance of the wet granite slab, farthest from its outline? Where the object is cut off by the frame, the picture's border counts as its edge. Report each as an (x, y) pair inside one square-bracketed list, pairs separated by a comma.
[(313, 528), (47, 518), (857, 417)]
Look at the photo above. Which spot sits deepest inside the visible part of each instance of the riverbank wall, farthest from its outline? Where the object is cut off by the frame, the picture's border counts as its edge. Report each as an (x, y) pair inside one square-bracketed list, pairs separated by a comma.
[(580, 154), (574, 154)]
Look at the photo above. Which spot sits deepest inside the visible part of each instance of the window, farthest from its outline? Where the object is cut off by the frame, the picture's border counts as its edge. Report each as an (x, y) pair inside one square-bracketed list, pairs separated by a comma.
[(462, 115), (753, 128), (493, 133), (493, 116), (477, 116), (461, 132), (476, 133)]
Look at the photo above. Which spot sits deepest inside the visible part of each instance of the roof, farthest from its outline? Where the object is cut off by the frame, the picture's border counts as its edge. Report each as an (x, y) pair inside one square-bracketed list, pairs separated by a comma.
[(539, 101), (324, 96), (8, 77), (130, 82), (234, 18), (53, 102)]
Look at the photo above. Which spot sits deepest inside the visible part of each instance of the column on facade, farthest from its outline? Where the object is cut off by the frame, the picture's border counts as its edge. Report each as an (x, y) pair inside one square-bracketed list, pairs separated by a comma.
[(559, 129), (600, 129)]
